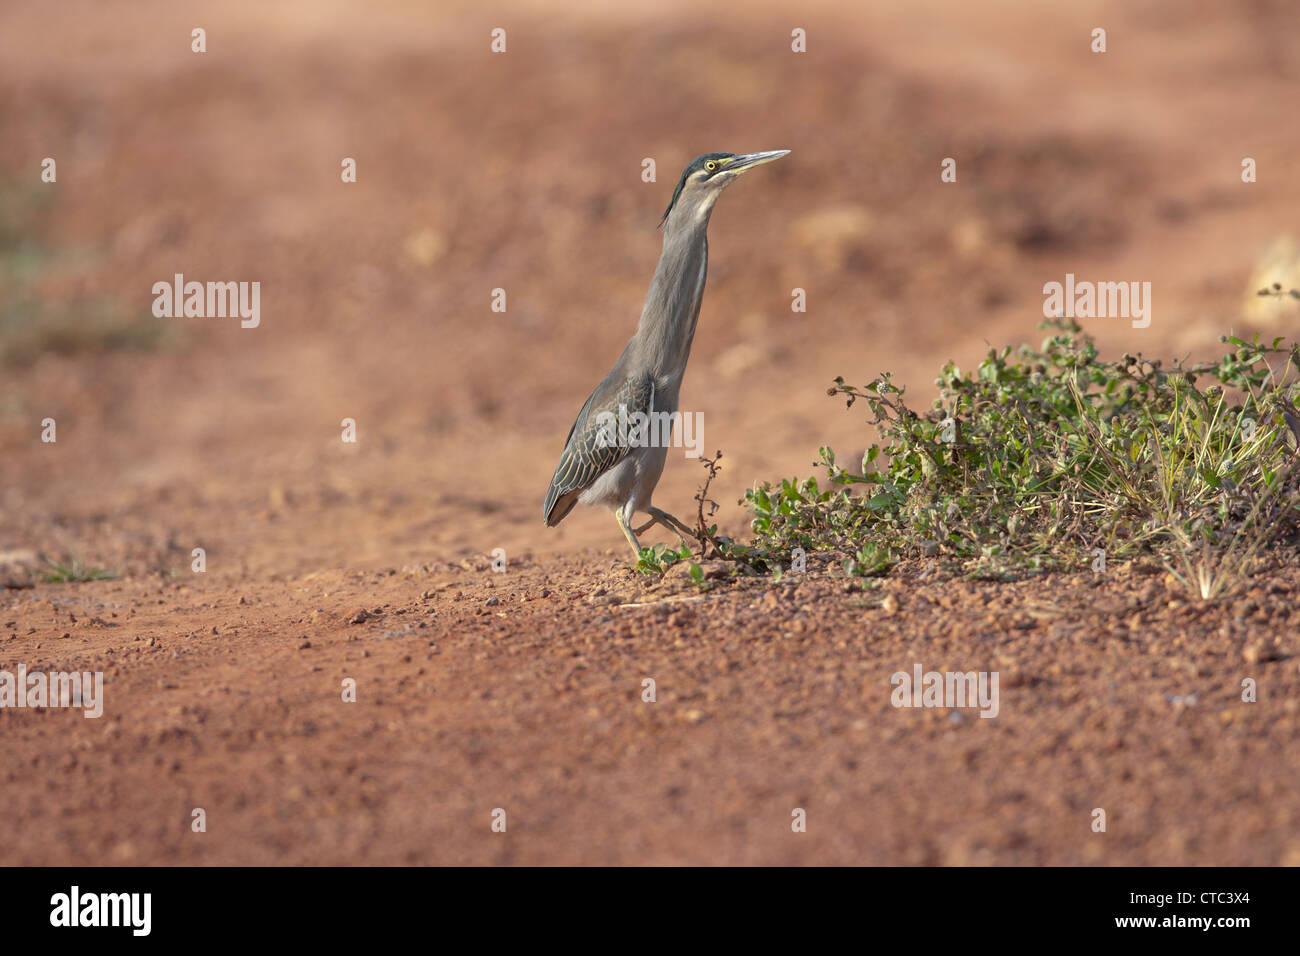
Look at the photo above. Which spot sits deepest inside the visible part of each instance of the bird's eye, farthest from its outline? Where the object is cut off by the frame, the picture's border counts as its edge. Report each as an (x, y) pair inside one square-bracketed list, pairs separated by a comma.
[(710, 165)]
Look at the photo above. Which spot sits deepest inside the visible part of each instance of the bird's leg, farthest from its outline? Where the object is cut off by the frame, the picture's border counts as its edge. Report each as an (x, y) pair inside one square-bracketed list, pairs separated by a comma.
[(628, 532), (664, 518), (659, 516), (654, 521)]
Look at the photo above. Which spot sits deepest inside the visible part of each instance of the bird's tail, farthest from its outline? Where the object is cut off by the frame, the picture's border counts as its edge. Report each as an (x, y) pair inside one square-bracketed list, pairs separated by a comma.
[(558, 504)]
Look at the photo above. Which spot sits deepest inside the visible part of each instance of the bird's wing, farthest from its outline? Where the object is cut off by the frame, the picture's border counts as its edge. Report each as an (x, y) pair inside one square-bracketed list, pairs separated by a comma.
[(589, 451)]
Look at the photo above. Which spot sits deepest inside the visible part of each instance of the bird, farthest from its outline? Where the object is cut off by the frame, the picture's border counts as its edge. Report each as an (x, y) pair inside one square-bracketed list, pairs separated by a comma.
[(604, 463)]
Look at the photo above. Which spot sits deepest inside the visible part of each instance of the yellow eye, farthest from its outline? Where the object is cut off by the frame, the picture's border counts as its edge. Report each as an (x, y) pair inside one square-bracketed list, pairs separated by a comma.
[(710, 165)]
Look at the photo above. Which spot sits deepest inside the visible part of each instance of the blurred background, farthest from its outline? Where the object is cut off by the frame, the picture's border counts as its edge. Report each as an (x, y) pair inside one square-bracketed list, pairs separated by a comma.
[(522, 171)]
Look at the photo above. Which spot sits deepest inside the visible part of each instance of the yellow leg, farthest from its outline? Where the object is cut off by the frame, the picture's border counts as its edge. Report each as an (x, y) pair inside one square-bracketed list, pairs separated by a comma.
[(668, 520), (659, 516), (627, 532)]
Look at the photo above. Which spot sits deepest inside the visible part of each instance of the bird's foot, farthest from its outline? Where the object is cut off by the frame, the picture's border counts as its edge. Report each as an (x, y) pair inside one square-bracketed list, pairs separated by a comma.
[(659, 516)]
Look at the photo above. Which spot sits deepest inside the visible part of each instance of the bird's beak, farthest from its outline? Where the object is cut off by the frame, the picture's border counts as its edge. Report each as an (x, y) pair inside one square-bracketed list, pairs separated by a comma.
[(750, 160)]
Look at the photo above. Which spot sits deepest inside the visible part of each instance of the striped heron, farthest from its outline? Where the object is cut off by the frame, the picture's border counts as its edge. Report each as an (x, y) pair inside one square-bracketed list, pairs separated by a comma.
[(604, 465)]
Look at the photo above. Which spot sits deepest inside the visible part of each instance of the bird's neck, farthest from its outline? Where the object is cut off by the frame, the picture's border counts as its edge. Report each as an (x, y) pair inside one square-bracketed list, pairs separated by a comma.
[(667, 327)]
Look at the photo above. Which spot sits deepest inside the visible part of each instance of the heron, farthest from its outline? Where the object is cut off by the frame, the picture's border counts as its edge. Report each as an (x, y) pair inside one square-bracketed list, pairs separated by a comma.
[(608, 464)]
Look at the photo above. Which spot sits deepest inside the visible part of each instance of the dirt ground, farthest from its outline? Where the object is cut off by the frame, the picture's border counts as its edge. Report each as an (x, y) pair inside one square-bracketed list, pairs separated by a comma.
[(476, 690)]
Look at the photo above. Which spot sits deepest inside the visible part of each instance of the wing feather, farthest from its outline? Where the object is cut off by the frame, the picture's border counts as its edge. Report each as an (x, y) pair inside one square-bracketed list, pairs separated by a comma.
[(586, 456)]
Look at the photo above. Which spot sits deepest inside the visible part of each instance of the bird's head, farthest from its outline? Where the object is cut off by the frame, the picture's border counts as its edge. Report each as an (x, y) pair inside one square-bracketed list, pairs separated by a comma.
[(706, 176)]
